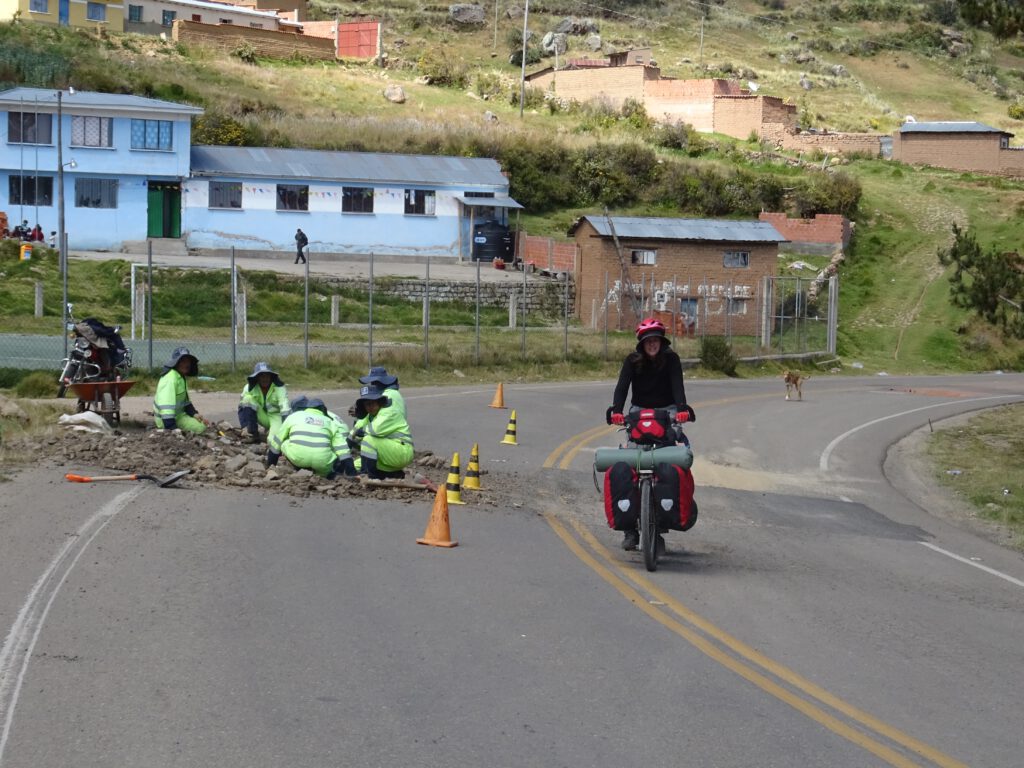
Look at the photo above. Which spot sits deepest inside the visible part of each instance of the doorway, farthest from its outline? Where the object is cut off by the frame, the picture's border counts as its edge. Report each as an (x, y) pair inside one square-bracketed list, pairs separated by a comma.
[(164, 209)]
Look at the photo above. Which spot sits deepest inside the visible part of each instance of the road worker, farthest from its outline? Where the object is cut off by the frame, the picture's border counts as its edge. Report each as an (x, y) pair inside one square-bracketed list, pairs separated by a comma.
[(264, 401), (172, 406), (381, 435), (311, 439), (380, 377)]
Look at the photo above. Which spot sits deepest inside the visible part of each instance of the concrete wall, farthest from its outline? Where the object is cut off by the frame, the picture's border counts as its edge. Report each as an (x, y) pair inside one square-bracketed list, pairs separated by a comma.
[(271, 44), (695, 268)]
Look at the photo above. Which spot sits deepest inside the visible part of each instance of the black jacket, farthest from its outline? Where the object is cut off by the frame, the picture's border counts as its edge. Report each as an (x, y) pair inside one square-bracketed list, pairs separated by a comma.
[(651, 387)]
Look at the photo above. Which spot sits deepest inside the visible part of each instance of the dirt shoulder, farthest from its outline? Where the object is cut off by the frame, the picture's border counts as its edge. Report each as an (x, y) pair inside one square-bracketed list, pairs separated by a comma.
[(911, 471)]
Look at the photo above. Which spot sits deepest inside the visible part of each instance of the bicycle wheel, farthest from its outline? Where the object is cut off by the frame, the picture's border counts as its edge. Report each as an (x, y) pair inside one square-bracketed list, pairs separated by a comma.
[(648, 527)]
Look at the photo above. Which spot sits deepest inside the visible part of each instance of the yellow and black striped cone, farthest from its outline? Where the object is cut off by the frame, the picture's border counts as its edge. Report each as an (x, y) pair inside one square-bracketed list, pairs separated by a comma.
[(472, 481), (452, 486), (510, 431)]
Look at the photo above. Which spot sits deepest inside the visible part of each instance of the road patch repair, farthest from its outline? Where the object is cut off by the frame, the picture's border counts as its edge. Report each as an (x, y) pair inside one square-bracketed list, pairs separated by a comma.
[(226, 458)]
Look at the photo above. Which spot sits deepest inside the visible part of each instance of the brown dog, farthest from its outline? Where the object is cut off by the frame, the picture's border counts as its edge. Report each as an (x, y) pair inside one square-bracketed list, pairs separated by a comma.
[(794, 380)]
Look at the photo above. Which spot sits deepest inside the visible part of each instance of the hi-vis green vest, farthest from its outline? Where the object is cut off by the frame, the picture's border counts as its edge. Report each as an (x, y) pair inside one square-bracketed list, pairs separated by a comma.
[(171, 396), (275, 401)]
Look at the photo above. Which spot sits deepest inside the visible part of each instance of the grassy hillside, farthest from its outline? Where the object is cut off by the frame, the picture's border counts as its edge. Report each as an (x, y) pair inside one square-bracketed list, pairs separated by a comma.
[(873, 63)]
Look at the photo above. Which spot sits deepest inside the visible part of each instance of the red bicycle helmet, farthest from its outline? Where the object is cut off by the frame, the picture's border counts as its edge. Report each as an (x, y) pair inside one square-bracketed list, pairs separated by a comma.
[(650, 327)]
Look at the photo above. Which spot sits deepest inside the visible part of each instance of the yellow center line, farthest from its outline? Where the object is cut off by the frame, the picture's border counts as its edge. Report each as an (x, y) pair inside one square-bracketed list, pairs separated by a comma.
[(889, 755), (582, 437), (769, 665)]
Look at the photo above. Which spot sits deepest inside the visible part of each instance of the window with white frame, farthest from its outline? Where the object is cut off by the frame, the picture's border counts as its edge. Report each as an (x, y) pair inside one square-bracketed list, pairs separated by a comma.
[(135, 13), (96, 11), (39, 6), (292, 197), (91, 131), (226, 194), (736, 259), (736, 306), (420, 202), (356, 200), (153, 134), (30, 190), (29, 128), (255, 25), (95, 193), (643, 256), (167, 18)]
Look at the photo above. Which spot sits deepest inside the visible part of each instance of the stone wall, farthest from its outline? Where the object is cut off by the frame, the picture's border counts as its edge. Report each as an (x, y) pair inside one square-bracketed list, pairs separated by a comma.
[(546, 297), (267, 43), (869, 144)]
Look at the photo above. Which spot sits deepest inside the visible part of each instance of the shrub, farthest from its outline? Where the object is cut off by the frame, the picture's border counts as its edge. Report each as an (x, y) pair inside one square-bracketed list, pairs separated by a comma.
[(443, 67), (245, 51), (36, 384), (716, 355), (1016, 111), (221, 130)]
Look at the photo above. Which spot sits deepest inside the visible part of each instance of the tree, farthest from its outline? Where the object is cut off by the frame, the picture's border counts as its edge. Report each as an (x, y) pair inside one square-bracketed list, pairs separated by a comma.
[(990, 282)]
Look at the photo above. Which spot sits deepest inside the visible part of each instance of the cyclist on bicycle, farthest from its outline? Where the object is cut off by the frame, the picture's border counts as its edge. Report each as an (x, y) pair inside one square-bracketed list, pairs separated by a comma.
[(654, 374)]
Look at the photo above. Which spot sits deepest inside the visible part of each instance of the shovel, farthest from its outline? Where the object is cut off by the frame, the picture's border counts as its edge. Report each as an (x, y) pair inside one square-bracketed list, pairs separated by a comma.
[(163, 482)]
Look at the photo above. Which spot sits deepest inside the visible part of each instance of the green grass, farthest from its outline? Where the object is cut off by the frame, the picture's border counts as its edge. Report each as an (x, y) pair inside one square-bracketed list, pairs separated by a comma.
[(982, 461)]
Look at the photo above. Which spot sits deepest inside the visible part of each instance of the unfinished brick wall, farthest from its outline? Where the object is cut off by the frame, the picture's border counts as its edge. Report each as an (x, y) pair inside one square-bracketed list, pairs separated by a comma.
[(728, 298), (741, 115), (319, 28), (869, 144), (687, 101), (614, 83), (268, 43), (548, 253), (829, 228), (1011, 162)]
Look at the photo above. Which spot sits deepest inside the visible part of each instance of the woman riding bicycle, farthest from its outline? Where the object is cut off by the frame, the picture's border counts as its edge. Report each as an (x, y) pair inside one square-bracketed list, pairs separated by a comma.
[(655, 375)]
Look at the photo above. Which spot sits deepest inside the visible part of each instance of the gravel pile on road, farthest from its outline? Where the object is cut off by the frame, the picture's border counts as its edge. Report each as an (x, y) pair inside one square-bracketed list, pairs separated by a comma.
[(226, 457)]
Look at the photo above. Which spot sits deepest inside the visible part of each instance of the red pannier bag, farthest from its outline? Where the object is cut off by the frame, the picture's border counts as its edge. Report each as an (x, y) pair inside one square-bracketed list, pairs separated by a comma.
[(673, 497)]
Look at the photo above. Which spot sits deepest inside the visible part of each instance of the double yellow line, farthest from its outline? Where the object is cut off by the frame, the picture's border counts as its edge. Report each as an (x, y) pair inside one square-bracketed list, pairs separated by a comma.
[(730, 652)]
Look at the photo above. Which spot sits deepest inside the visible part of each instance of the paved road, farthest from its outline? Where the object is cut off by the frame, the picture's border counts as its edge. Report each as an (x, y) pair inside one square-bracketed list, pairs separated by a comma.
[(814, 616)]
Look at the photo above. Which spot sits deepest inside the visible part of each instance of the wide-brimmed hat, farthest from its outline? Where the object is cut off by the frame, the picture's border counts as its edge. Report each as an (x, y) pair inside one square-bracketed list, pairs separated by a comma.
[(300, 403), (373, 392), (176, 356), (262, 367), (379, 375)]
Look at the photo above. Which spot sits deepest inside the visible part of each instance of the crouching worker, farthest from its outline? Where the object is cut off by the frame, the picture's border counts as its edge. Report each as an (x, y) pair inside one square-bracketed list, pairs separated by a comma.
[(379, 377), (264, 402), (172, 407), (381, 435), (311, 439)]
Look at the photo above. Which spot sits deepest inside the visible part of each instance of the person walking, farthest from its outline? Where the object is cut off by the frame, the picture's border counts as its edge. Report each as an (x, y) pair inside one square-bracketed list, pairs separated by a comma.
[(301, 241)]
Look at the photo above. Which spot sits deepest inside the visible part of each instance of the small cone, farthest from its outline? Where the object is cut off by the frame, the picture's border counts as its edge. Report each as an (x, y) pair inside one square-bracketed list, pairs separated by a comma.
[(510, 431), (472, 481), (438, 533), (499, 397), (452, 486)]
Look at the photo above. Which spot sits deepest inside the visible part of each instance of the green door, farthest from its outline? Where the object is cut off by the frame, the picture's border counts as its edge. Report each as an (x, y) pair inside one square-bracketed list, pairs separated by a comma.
[(164, 209)]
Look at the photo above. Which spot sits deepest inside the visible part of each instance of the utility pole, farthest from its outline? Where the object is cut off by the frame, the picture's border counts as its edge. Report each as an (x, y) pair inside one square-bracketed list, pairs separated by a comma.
[(626, 279), (522, 76)]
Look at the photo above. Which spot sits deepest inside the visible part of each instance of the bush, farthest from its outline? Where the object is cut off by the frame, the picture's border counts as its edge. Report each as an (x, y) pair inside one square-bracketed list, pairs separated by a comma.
[(1016, 111), (442, 67), (36, 384), (245, 51), (221, 130), (716, 355)]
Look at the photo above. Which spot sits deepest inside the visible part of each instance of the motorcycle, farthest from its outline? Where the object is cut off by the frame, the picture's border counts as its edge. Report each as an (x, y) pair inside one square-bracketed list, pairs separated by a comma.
[(97, 353)]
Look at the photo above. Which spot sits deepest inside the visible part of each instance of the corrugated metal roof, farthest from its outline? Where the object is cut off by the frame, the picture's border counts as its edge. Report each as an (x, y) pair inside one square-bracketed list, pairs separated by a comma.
[(379, 167), (19, 97), (231, 7), (718, 230), (950, 127), (488, 202)]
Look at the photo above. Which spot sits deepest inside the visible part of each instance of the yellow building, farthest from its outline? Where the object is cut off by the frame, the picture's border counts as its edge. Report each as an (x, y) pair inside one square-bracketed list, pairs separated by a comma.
[(87, 14)]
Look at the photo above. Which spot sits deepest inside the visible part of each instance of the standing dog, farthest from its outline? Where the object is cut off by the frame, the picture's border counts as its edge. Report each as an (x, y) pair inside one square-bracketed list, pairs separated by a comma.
[(794, 380)]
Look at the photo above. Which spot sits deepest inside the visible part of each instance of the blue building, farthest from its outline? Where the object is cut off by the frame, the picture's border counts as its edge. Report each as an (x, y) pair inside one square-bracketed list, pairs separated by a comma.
[(124, 157), (130, 173)]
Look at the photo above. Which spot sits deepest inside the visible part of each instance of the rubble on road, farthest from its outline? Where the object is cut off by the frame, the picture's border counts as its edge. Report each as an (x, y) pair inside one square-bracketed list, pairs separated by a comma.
[(226, 457)]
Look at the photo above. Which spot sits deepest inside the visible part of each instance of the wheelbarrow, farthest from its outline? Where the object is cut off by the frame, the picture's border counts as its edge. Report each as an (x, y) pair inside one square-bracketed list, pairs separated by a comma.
[(103, 397)]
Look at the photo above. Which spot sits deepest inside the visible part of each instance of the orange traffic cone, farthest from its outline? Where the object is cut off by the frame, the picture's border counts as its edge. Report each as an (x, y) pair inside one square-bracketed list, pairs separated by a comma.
[(499, 397), (510, 431), (438, 533), (452, 486), (472, 481)]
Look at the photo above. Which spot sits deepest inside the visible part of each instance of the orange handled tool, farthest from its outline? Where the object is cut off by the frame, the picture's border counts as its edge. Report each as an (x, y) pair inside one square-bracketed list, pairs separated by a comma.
[(163, 482)]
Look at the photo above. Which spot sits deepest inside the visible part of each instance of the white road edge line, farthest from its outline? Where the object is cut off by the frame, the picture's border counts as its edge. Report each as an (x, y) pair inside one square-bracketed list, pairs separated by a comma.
[(979, 566), (827, 453), (26, 628)]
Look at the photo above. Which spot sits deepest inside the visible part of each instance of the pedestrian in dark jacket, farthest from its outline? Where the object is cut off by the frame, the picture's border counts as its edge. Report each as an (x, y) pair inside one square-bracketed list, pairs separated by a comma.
[(301, 241)]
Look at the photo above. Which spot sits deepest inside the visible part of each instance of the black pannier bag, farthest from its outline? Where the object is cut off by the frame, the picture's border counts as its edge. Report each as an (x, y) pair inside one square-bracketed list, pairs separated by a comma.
[(673, 497), (621, 497)]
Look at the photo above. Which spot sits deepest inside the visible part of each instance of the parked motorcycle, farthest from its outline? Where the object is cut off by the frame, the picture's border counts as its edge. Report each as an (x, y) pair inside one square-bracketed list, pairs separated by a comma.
[(97, 353)]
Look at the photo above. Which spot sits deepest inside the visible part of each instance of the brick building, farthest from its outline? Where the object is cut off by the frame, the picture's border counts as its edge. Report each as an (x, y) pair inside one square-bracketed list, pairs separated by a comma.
[(960, 146), (713, 271), (826, 233)]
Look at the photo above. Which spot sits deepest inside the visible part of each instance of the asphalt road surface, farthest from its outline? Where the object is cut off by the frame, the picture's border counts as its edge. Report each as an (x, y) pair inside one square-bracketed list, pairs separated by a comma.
[(819, 614)]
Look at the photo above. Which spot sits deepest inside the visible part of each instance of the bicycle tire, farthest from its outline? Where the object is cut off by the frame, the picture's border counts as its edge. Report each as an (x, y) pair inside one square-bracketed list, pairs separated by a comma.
[(648, 527)]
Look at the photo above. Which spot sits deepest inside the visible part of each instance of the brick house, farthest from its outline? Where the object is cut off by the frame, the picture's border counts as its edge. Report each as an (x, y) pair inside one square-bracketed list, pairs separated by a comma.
[(713, 271), (959, 146)]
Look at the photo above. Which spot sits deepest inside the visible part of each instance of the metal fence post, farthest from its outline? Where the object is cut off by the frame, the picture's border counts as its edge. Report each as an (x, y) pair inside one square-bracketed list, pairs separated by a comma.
[(606, 308), (149, 299), (369, 335), (234, 311), (524, 312), (64, 281), (565, 346), (305, 315), (477, 319), (426, 318)]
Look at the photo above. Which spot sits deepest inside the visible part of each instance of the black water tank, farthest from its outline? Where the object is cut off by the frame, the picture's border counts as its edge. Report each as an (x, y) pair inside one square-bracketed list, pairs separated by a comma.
[(491, 241)]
